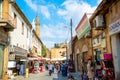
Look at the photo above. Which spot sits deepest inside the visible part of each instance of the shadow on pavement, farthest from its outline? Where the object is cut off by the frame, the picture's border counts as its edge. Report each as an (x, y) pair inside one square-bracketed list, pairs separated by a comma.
[(55, 79)]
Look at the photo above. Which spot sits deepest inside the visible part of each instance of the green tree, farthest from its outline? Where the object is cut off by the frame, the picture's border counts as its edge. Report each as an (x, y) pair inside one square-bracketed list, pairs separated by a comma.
[(43, 51)]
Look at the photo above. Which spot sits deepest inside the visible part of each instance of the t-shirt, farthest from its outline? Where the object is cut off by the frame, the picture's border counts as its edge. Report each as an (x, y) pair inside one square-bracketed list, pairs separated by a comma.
[(50, 67), (18, 66)]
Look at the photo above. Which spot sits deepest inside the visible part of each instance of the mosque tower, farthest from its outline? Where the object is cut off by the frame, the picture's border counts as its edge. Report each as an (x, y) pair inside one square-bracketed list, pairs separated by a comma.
[(37, 25)]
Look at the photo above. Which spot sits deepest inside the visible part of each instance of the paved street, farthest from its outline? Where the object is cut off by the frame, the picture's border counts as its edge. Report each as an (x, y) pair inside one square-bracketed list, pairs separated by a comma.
[(41, 76), (44, 76)]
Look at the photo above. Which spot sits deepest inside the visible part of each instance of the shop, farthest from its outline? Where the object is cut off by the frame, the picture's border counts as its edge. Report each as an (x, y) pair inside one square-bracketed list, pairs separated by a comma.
[(103, 63), (85, 56), (17, 55), (114, 32)]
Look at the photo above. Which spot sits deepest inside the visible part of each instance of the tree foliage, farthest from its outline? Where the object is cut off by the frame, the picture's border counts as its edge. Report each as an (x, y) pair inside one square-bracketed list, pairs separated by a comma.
[(43, 51)]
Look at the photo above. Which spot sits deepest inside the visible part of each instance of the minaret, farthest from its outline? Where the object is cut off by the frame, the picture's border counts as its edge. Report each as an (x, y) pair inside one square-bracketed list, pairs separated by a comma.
[(37, 24)]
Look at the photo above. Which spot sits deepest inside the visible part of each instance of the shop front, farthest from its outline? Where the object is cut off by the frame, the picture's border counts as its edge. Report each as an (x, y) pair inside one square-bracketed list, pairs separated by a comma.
[(17, 55), (114, 32), (85, 56), (103, 63)]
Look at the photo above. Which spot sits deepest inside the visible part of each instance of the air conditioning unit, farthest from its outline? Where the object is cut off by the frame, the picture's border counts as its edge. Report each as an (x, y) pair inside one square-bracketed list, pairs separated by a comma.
[(99, 22)]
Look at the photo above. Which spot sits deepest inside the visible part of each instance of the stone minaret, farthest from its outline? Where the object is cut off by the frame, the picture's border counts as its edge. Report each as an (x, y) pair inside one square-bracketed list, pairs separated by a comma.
[(37, 24)]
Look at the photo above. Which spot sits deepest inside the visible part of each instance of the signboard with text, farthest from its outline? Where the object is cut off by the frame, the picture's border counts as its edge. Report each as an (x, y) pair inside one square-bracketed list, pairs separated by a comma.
[(83, 27), (114, 27)]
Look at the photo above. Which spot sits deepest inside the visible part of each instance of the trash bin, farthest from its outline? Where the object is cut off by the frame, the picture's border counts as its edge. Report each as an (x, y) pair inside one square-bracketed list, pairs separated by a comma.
[(27, 72)]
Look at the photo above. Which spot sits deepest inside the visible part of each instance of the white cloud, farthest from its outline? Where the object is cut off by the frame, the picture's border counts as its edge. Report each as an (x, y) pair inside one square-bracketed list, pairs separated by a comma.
[(45, 11), (62, 12), (54, 31), (31, 4), (46, 32), (49, 44), (75, 10)]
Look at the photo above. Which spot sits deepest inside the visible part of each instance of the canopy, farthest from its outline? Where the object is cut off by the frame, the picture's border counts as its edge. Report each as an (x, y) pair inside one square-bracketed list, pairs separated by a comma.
[(58, 59), (39, 58)]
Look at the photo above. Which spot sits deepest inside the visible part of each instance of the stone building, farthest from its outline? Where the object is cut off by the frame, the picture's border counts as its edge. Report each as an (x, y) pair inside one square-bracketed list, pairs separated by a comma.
[(7, 24), (105, 22), (82, 47), (59, 52)]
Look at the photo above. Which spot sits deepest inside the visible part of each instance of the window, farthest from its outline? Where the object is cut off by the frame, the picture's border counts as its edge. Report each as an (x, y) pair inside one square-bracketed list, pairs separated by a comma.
[(22, 28), (27, 32)]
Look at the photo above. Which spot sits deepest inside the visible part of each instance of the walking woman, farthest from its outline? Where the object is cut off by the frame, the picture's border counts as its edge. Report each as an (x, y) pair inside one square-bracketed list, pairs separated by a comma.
[(89, 69)]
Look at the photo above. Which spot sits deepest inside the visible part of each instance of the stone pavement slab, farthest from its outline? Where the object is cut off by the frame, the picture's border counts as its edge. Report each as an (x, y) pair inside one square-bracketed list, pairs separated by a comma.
[(45, 76)]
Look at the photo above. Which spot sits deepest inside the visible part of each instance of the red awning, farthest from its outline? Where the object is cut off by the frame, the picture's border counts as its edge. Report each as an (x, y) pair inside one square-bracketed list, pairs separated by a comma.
[(41, 59)]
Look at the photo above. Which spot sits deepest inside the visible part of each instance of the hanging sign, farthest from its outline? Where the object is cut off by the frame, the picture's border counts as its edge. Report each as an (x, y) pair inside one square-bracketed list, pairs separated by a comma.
[(83, 27)]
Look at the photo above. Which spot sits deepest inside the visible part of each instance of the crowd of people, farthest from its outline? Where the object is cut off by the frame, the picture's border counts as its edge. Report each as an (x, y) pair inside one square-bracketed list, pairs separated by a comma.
[(61, 68)]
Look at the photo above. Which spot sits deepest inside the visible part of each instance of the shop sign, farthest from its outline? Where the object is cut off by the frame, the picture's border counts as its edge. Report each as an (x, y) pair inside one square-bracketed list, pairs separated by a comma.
[(12, 57), (11, 64), (114, 27), (97, 41), (83, 27)]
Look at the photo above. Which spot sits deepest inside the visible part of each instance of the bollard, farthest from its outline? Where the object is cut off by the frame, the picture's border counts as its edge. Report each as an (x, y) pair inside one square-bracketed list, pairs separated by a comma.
[(26, 75)]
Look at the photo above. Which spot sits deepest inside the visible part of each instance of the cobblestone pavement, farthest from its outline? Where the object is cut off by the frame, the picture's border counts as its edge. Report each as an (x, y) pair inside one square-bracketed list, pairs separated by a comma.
[(45, 76)]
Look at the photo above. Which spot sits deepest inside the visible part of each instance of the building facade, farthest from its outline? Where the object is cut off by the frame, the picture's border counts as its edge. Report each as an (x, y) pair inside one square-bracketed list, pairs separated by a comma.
[(82, 45), (19, 39), (36, 45), (114, 32), (101, 41), (7, 24), (59, 53), (82, 51), (104, 41)]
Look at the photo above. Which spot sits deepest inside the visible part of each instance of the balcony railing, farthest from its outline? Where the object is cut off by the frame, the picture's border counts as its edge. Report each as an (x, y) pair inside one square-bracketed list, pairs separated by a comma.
[(7, 21)]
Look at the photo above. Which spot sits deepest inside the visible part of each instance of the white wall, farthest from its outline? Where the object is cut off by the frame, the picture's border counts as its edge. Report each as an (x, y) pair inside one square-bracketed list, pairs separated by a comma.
[(16, 36), (36, 43)]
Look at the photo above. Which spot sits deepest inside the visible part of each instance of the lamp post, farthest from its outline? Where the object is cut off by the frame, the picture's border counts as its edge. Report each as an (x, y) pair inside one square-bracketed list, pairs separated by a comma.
[(71, 37), (66, 52)]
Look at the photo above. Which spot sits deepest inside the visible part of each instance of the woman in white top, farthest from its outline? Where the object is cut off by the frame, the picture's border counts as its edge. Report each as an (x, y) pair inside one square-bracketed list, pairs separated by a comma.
[(89, 69)]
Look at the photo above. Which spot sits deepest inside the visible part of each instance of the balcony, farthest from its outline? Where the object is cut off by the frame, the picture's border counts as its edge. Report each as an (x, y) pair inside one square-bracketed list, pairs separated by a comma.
[(7, 21)]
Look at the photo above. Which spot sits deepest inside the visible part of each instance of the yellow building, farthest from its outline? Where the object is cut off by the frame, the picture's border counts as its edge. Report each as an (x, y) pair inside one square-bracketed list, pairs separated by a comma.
[(59, 53), (7, 23)]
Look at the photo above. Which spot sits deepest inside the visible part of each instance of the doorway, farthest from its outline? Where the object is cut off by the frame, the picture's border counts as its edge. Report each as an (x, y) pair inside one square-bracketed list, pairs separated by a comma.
[(1, 59)]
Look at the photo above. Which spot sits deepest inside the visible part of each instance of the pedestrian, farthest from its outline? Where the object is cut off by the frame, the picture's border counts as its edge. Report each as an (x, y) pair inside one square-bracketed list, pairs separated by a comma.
[(18, 68), (21, 69), (50, 68), (89, 69)]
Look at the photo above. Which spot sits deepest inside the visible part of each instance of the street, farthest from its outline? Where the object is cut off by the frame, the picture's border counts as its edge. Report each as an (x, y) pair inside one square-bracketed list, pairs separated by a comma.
[(40, 76), (45, 76)]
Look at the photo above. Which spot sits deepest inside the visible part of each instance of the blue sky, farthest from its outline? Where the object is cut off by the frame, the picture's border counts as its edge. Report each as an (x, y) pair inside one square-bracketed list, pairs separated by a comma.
[(55, 16)]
